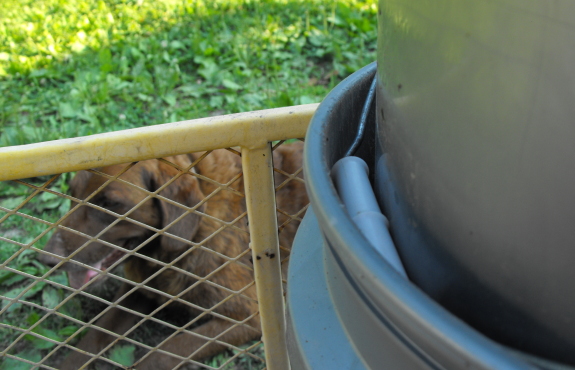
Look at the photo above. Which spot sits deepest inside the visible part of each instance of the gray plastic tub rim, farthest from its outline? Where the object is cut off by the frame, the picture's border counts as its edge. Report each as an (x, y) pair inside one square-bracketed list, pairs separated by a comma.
[(418, 321)]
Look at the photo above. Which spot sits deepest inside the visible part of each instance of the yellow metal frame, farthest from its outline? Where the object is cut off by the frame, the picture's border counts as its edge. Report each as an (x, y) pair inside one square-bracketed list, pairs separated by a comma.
[(248, 130), (260, 200), (251, 131)]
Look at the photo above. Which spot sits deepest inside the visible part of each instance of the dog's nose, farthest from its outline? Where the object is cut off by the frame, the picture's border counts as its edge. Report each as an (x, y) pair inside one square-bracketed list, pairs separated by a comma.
[(49, 260), (53, 246)]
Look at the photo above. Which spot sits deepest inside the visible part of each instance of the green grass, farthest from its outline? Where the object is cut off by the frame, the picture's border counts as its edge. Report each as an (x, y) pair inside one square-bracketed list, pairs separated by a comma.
[(79, 67), (71, 68)]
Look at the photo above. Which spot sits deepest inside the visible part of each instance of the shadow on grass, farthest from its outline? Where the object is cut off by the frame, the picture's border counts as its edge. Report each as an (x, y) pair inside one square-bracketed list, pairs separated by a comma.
[(188, 61)]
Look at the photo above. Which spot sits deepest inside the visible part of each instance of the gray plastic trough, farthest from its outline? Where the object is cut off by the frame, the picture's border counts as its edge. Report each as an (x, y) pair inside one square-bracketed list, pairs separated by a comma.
[(347, 307)]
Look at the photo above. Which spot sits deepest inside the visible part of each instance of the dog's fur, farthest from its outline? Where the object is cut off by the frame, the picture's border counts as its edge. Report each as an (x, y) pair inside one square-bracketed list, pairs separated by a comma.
[(221, 166)]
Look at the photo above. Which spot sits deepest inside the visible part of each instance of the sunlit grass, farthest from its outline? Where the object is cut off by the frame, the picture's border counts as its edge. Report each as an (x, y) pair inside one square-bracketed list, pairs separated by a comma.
[(71, 68)]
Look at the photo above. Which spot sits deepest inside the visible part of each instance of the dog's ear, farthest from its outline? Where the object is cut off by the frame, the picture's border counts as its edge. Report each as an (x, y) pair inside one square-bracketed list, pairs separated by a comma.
[(186, 191)]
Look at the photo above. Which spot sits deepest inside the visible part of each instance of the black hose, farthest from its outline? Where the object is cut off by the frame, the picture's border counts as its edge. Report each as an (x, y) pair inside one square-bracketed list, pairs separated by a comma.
[(363, 119)]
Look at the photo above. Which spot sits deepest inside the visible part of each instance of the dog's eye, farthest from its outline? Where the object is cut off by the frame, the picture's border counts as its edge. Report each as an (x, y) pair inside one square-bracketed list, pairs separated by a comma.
[(108, 203)]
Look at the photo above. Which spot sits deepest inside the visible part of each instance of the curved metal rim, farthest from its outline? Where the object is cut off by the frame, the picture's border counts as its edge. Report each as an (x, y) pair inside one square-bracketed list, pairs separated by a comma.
[(405, 306)]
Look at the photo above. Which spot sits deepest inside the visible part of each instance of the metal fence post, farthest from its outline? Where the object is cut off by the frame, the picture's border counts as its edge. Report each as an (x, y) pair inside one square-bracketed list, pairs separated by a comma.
[(260, 197)]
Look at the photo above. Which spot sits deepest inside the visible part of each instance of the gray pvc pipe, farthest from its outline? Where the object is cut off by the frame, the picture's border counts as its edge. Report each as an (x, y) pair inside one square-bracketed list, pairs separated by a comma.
[(350, 175)]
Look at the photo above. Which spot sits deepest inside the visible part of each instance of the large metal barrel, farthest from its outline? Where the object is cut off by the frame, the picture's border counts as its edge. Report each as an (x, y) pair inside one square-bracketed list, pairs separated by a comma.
[(471, 157), (476, 122)]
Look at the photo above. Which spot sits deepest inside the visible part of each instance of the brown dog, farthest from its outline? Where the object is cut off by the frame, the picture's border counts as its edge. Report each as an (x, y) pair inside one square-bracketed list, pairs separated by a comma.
[(173, 260)]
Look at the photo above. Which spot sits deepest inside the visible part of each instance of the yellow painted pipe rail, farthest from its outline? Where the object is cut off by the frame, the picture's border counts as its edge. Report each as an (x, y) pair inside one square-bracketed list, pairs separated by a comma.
[(260, 201), (247, 130)]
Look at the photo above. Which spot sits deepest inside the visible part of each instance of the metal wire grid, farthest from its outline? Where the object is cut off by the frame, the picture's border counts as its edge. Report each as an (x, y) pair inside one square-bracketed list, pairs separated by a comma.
[(285, 218), (55, 345)]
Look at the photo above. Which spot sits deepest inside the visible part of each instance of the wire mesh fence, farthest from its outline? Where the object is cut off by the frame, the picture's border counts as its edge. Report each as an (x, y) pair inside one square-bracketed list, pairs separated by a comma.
[(145, 264), (179, 227)]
